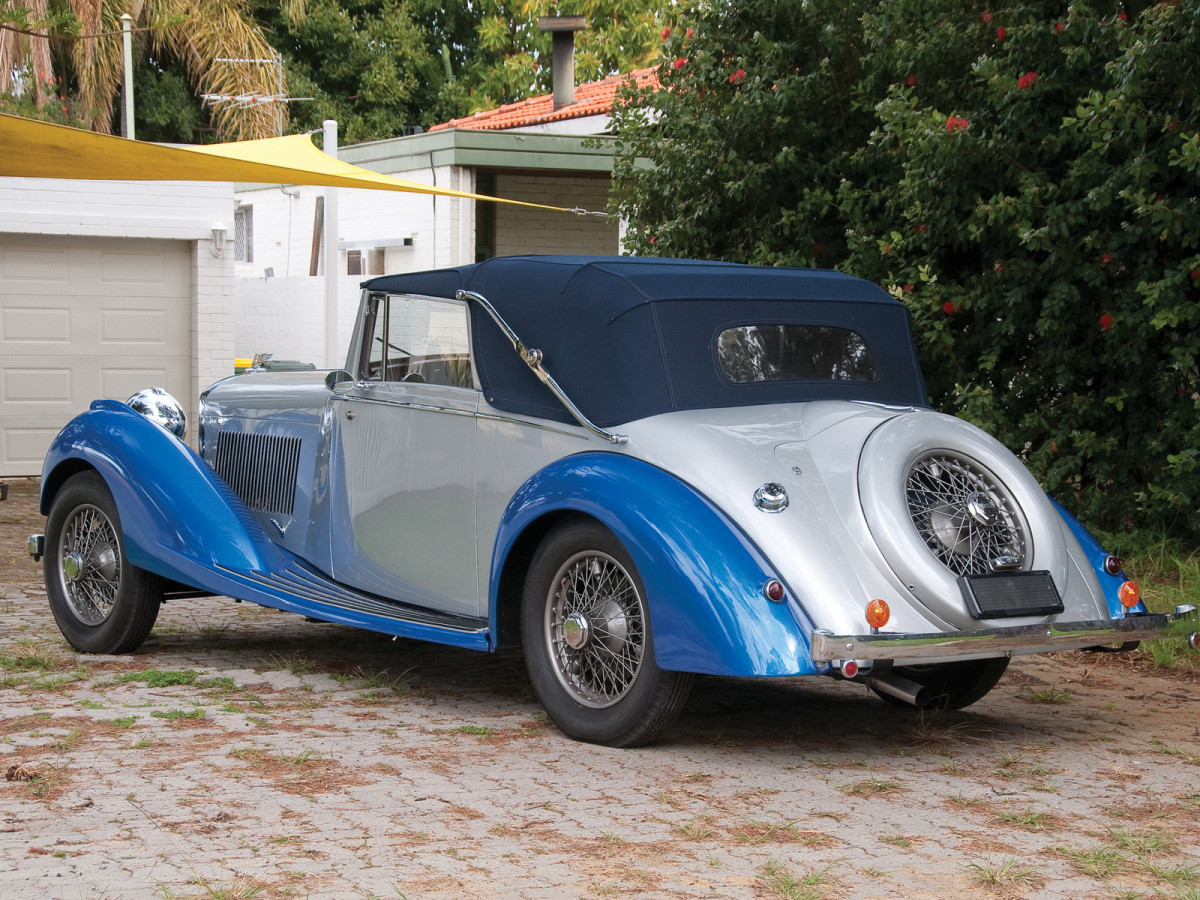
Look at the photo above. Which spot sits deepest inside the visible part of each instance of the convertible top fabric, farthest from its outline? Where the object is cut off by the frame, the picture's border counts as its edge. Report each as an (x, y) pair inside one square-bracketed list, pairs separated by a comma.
[(631, 337)]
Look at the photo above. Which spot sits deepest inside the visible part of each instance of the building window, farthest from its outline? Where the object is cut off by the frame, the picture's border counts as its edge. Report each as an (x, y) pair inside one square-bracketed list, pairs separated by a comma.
[(243, 234)]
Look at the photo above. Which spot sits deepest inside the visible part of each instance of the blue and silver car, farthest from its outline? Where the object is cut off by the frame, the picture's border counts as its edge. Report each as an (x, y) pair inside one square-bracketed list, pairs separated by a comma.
[(638, 470)]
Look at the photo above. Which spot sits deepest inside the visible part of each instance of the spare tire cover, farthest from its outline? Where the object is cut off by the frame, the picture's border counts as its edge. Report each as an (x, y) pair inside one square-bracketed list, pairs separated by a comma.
[(944, 499)]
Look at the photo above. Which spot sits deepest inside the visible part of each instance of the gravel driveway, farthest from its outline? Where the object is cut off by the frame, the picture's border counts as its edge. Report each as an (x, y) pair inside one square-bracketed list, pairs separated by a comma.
[(244, 752)]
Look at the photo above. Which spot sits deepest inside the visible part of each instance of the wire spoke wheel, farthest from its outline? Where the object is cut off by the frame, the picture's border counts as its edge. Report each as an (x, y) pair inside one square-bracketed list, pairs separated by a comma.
[(101, 602), (589, 646), (969, 522), (595, 627), (90, 564)]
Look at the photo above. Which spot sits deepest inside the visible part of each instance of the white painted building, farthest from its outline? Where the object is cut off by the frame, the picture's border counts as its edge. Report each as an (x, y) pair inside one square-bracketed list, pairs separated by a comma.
[(533, 151), (106, 288)]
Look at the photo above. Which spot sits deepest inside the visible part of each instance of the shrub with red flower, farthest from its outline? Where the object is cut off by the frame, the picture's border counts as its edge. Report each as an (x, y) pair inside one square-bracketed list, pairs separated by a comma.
[(1001, 33), (949, 308), (1058, 27), (1106, 258), (679, 63), (1106, 322), (737, 77), (666, 33), (1026, 81), (910, 80), (956, 123), (987, 16)]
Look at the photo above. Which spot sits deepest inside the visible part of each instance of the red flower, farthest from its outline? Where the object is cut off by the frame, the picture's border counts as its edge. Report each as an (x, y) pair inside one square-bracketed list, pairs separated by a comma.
[(910, 80), (922, 228), (949, 308), (987, 16), (908, 288), (1106, 322), (1105, 258), (1001, 33), (1026, 80), (998, 267), (955, 123), (689, 32), (1124, 17), (1194, 274), (1058, 27), (680, 62), (737, 77), (666, 33)]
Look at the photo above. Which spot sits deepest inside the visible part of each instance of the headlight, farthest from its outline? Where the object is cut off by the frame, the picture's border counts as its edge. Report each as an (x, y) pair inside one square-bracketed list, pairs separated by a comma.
[(160, 407)]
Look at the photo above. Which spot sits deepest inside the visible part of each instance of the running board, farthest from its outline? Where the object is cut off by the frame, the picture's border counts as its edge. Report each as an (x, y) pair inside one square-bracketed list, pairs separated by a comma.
[(299, 589)]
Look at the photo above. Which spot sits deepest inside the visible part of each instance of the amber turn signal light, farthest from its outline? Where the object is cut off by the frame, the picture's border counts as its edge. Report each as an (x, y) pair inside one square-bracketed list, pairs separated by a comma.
[(878, 613), (1130, 594)]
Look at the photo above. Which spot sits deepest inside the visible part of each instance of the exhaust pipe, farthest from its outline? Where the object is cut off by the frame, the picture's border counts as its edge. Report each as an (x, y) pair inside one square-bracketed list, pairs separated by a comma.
[(901, 688)]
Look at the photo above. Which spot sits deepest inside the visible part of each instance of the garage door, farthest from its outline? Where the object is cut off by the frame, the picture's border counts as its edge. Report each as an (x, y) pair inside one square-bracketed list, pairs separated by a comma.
[(82, 318)]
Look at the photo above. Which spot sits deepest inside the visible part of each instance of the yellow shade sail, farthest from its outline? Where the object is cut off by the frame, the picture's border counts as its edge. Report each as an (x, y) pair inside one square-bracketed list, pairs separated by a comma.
[(33, 149)]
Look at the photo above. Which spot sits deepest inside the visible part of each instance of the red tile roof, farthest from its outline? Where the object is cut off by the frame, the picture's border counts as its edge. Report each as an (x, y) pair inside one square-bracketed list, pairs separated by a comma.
[(591, 99)]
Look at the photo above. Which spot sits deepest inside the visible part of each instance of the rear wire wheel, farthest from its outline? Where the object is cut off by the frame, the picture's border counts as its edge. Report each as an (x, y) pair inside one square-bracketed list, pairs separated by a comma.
[(588, 646), (101, 602)]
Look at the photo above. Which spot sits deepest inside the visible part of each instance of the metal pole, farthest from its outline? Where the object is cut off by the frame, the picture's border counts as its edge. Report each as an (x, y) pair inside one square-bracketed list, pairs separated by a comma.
[(279, 102), (127, 49), (331, 256)]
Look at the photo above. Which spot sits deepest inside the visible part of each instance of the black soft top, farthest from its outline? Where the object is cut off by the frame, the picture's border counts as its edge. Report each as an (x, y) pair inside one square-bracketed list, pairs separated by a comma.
[(629, 337)]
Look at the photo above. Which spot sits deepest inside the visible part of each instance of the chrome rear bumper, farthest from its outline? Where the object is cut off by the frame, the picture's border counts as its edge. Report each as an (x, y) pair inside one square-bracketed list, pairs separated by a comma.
[(1004, 641)]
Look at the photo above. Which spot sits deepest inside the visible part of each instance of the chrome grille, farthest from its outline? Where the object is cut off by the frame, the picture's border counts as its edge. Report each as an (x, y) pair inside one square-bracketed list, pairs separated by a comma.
[(260, 468), (969, 522)]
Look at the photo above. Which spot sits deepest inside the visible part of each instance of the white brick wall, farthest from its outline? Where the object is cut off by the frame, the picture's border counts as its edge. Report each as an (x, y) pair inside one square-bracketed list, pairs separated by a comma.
[(286, 318)]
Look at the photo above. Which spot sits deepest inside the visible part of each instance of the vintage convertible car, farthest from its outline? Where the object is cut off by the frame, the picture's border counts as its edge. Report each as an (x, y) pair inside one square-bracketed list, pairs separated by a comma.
[(702, 468)]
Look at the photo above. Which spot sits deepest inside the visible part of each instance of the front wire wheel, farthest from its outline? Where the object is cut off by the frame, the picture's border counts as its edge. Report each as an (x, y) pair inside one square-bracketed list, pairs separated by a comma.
[(101, 602), (588, 645)]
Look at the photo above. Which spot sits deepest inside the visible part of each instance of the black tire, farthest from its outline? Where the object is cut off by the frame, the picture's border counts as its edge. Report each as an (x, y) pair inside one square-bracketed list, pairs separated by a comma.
[(101, 602), (588, 647), (953, 685)]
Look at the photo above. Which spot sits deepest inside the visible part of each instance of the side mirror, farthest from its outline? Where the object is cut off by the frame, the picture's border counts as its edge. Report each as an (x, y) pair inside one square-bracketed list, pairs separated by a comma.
[(339, 381)]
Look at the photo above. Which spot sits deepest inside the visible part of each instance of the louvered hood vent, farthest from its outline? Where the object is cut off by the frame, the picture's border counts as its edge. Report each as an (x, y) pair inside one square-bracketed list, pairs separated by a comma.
[(261, 469)]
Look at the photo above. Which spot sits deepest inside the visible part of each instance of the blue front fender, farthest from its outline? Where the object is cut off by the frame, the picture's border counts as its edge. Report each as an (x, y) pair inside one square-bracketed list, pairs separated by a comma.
[(178, 518), (703, 576)]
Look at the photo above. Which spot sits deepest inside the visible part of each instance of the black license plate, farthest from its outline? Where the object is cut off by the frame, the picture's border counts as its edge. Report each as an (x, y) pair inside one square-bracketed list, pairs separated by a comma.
[(1007, 595)]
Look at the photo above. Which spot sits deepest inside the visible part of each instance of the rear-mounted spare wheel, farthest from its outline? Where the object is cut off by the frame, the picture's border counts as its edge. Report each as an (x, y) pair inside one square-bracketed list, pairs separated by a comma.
[(943, 499)]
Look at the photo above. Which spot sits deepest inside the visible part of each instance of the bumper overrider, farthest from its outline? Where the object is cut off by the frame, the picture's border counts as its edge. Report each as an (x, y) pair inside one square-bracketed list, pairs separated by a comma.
[(1005, 641)]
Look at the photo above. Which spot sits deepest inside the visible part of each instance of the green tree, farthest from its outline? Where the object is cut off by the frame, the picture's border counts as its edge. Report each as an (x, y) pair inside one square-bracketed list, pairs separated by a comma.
[(74, 48), (373, 65), (1023, 175)]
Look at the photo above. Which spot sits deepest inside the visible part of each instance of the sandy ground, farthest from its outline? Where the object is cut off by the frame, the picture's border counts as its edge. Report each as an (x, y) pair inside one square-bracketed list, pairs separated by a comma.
[(243, 752)]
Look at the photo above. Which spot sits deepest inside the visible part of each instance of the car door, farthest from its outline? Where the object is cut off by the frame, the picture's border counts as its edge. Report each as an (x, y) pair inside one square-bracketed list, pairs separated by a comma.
[(402, 479)]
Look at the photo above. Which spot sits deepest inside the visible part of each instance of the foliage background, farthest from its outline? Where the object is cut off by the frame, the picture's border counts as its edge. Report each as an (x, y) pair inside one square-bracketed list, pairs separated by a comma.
[(1023, 175)]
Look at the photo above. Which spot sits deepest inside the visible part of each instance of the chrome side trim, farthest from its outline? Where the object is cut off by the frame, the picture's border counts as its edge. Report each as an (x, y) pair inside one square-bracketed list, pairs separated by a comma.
[(533, 359), (827, 647)]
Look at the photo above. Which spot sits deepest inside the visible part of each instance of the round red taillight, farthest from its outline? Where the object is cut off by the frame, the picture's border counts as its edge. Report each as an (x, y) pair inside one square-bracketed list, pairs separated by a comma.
[(1113, 565), (773, 590), (849, 668)]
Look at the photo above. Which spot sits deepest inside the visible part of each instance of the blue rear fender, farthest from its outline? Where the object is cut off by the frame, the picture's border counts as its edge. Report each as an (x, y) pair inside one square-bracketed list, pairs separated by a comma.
[(703, 576), (178, 518), (1096, 555)]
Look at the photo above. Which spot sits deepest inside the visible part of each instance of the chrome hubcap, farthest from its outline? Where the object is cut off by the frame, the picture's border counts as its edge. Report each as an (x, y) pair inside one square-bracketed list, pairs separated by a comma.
[(595, 629)]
